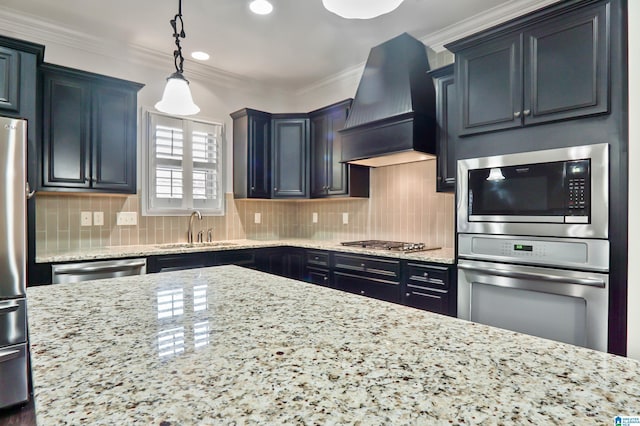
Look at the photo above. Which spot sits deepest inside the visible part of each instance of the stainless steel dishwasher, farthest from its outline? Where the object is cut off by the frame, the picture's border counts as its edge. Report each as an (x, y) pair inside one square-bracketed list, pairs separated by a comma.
[(85, 271)]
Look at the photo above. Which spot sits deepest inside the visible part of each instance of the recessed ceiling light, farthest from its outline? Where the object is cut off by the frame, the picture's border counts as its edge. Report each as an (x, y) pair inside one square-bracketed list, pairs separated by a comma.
[(261, 7), (201, 56)]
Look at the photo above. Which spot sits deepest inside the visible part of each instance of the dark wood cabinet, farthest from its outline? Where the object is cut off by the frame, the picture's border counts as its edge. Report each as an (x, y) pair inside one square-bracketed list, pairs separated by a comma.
[(284, 261), (251, 154), (330, 177), (446, 138), (367, 275), (178, 262), (430, 287), (290, 156), (316, 268), (89, 132), (245, 257), (9, 79), (543, 68)]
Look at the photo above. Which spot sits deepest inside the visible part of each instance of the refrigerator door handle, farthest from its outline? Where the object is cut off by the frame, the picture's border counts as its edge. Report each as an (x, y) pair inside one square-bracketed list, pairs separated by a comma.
[(29, 193), (9, 355)]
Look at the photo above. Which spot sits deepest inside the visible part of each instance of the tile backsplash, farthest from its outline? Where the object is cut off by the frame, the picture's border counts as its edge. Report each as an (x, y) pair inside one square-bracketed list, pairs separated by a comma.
[(403, 206)]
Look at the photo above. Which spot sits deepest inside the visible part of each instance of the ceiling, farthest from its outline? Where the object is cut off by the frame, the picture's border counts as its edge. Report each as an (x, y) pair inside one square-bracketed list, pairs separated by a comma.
[(299, 44)]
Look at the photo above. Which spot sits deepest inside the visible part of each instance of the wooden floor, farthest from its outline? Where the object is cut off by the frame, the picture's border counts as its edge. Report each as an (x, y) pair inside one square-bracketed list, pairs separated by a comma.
[(21, 415)]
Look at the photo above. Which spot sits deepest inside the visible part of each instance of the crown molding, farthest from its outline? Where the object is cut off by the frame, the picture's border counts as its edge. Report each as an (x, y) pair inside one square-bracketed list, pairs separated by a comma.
[(482, 21), (31, 28), (34, 29)]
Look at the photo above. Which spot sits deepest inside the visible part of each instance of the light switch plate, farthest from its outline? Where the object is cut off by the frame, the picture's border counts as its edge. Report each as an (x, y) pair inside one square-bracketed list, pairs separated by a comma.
[(126, 218), (85, 218), (257, 218), (345, 218), (98, 218), (314, 217)]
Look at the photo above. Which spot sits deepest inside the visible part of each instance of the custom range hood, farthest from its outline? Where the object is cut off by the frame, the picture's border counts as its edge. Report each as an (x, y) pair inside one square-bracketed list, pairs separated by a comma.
[(392, 118)]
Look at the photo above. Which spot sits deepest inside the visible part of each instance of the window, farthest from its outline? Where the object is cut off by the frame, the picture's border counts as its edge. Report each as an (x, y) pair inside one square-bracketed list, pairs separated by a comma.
[(183, 166)]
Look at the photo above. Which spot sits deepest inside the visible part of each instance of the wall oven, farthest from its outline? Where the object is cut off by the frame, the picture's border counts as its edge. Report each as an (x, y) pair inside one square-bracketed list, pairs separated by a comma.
[(558, 192), (533, 253)]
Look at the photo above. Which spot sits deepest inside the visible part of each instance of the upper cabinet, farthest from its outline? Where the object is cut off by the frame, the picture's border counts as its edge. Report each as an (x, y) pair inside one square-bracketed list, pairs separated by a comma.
[(545, 67), (446, 113), (89, 132), (251, 154), (330, 177), (290, 156), (293, 155), (9, 78)]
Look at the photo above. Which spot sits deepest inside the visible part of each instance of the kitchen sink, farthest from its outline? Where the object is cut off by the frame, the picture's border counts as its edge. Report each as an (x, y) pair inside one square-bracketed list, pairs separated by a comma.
[(193, 245)]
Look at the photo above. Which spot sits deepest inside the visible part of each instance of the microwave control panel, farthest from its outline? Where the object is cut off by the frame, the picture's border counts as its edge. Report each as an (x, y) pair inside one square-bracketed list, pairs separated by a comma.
[(578, 186)]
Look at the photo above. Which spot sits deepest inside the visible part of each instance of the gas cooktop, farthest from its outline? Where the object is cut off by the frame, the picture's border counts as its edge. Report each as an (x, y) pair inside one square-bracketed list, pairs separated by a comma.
[(389, 245)]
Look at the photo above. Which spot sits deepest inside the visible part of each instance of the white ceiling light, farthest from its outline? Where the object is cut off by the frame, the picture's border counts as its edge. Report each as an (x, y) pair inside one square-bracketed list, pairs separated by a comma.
[(176, 98), (261, 7), (360, 9), (200, 56)]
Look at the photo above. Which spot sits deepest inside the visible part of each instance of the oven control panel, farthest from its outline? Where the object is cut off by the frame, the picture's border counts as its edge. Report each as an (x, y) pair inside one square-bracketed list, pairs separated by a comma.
[(563, 252)]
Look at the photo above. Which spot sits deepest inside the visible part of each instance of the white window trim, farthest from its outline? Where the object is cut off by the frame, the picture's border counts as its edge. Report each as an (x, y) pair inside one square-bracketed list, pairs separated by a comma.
[(147, 140)]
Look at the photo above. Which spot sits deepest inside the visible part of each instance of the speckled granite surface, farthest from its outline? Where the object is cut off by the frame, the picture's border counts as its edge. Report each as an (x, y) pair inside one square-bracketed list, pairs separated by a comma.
[(227, 345), (438, 256)]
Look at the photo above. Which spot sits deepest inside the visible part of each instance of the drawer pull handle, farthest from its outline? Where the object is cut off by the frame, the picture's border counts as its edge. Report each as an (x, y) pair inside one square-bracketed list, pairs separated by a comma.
[(361, 291)]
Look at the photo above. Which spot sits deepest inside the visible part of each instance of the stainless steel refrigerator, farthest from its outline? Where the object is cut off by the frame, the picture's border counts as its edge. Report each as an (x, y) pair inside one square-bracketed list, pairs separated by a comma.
[(13, 258)]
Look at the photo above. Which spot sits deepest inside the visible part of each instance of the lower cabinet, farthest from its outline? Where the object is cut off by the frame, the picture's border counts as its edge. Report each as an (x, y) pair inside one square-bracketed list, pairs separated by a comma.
[(430, 287), (368, 276), (178, 262), (316, 268), (284, 261)]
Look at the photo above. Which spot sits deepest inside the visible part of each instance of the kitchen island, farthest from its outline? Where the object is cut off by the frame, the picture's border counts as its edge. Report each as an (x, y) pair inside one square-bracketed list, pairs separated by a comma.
[(228, 345)]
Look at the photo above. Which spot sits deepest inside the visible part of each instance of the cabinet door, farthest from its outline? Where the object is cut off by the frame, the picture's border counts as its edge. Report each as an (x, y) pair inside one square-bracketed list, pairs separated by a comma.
[(9, 79), (317, 276), (566, 66), (489, 77), (259, 157), (114, 140), (66, 156), (337, 177), (446, 112), (290, 142), (319, 155)]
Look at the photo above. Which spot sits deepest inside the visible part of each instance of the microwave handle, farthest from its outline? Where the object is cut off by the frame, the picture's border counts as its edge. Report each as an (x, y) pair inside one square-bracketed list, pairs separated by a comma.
[(536, 276)]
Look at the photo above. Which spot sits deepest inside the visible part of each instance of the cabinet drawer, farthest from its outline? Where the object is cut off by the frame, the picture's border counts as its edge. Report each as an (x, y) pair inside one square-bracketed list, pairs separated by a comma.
[(377, 289), (422, 276), (429, 300), (13, 314), (388, 270), (318, 276), (317, 258)]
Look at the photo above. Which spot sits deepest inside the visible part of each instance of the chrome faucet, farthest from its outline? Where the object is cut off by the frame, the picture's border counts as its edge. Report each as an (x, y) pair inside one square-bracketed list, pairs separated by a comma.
[(210, 235), (190, 231)]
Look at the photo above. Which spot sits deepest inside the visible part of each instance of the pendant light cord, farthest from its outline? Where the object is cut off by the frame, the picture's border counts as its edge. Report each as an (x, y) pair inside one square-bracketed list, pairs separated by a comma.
[(178, 59)]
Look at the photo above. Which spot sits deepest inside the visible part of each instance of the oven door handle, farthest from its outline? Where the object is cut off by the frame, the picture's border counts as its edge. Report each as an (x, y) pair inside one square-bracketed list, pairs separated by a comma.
[(536, 276)]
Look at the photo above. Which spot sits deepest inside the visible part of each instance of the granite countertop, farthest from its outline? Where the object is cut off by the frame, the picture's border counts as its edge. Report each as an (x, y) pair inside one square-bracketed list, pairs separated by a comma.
[(445, 255), (227, 345)]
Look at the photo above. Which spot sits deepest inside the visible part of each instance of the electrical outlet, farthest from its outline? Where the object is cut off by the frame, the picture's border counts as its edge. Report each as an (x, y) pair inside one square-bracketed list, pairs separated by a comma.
[(98, 218), (126, 218), (345, 218), (314, 217), (257, 218), (85, 218)]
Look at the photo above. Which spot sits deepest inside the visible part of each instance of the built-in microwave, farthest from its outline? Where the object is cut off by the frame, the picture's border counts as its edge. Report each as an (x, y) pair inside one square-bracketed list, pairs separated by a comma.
[(560, 192)]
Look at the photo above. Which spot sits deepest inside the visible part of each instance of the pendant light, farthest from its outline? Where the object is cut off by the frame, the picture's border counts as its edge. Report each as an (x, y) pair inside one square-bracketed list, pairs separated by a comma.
[(361, 9), (176, 98)]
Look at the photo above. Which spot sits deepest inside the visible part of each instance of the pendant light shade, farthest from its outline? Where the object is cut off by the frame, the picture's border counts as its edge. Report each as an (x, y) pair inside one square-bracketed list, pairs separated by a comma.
[(176, 98), (361, 9)]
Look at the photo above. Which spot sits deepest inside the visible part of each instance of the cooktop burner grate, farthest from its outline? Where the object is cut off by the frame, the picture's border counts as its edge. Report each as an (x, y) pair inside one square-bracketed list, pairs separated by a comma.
[(389, 245)]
